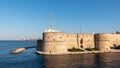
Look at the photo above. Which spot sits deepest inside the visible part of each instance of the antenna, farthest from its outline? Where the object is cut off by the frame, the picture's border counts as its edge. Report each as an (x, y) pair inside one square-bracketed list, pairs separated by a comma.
[(80, 29), (51, 21)]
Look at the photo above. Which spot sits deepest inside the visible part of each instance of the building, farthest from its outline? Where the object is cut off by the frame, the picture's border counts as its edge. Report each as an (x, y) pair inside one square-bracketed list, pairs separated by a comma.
[(56, 42)]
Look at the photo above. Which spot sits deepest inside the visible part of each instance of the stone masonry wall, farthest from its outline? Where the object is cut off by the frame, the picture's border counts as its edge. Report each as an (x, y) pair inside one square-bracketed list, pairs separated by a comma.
[(60, 41), (106, 41), (54, 42), (86, 40), (72, 41), (80, 41)]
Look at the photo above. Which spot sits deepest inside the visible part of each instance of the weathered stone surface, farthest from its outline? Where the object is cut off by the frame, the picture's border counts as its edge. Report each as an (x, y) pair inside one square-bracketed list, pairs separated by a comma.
[(59, 42)]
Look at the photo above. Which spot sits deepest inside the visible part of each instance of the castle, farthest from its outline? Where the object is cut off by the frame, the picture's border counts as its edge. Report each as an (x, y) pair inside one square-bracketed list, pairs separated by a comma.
[(56, 42)]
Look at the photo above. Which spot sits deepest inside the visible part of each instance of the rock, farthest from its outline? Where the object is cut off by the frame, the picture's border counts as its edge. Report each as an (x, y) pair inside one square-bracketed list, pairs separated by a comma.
[(16, 51)]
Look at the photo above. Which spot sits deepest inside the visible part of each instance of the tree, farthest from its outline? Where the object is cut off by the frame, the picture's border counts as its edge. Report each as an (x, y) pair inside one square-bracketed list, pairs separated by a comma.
[(117, 32)]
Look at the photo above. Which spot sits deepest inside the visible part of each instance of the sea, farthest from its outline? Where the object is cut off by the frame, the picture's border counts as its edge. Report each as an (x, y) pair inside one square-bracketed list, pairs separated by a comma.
[(29, 59)]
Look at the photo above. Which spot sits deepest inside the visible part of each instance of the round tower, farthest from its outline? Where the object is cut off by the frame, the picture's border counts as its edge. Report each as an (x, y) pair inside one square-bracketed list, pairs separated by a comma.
[(102, 41), (54, 42)]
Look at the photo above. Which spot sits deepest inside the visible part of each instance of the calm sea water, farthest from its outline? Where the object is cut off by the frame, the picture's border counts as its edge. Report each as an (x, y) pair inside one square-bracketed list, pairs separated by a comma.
[(29, 59)]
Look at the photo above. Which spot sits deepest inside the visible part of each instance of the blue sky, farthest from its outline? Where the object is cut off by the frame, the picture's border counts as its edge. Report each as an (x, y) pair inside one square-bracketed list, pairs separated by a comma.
[(29, 18)]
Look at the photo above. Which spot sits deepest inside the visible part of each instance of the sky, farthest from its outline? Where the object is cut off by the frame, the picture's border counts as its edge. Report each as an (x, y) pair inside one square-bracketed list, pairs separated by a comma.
[(30, 18)]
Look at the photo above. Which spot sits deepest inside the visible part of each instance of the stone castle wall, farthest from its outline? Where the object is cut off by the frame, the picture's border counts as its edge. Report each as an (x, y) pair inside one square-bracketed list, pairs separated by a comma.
[(81, 41), (106, 41), (102, 41), (115, 39), (59, 42), (72, 41), (88, 40), (54, 42)]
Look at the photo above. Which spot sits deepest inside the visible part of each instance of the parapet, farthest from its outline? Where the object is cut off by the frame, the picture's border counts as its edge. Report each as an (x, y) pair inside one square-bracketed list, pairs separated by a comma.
[(102, 37), (54, 36)]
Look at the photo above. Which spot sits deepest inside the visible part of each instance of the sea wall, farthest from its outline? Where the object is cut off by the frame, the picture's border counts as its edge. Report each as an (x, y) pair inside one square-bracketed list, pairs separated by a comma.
[(60, 42)]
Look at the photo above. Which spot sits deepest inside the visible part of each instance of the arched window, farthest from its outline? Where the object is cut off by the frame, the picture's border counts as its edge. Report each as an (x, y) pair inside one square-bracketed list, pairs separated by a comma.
[(81, 46), (81, 41)]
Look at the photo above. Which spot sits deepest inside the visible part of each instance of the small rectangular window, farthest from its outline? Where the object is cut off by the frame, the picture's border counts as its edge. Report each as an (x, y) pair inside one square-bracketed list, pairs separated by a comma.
[(60, 37)]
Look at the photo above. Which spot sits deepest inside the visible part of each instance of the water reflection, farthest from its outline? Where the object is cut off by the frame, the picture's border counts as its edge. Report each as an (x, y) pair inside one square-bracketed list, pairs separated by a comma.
[(106, 60)]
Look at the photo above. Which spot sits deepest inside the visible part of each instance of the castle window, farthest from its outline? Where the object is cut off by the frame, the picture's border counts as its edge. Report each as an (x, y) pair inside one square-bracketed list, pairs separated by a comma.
[(81, 46), (81, 41), (60, 37)]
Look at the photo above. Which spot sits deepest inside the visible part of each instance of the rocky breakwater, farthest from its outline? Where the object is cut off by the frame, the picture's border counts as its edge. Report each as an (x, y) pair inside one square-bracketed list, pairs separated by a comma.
[(16, 51)]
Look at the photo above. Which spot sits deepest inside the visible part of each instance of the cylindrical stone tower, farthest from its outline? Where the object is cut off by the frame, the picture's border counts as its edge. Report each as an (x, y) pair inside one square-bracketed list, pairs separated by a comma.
[(54, 42), (102, 41)]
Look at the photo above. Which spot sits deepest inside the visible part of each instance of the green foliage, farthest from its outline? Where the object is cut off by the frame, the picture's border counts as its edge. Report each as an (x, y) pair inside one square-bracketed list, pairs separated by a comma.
[(92, 49), (117, 32), (75, 50), (117, 47)]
